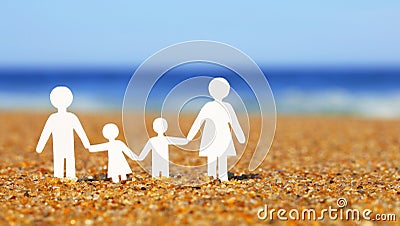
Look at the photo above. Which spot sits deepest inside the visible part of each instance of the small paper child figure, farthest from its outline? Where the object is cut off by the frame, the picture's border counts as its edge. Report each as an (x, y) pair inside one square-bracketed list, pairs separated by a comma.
[(117, 164), (61, 126), (159, 147)]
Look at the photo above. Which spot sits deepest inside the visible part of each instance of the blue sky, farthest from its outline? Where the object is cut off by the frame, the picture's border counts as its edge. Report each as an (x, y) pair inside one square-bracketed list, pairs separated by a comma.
[(127, 32)]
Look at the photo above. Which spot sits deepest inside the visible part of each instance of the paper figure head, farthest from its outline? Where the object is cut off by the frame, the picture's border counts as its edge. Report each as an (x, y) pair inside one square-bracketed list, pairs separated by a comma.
[(160, 125), (110, 131), (219, 88), (61, 97)]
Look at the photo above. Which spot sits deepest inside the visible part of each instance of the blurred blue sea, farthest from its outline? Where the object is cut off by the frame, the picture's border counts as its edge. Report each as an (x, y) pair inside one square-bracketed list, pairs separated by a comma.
[(359, 91)]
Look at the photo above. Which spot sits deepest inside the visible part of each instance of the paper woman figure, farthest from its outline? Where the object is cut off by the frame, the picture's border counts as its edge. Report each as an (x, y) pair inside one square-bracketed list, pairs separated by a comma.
[(117, 164), (216, 141)]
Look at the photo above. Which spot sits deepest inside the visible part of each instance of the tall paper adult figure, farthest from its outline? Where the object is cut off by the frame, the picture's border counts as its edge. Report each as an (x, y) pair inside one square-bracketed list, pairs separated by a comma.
[(216, 141), (61, 125)]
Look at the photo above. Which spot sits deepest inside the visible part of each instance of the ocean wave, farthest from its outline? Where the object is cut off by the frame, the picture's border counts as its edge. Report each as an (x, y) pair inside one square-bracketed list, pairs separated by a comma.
[(342, 102), (40, 102), (333, 102)]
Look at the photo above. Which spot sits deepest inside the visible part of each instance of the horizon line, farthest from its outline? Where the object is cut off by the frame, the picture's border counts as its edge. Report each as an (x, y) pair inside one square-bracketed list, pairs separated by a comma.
[(136, 65)]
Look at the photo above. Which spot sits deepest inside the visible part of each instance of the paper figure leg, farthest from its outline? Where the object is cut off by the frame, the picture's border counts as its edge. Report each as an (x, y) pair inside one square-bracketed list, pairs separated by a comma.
[(165, 170), (58, 167), (155, 169), (155, 172), (159, 166), (115, 179), (160, 171), (70, 165), (212, 167), (223, 168)]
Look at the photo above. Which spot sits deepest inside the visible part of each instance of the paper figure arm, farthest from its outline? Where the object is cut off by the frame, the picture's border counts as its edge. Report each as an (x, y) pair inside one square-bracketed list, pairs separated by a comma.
[(44, 137), (236, 125), (81, 133), (128, 151), (145, 151), (177, 140), (98, 147), (196, 125)]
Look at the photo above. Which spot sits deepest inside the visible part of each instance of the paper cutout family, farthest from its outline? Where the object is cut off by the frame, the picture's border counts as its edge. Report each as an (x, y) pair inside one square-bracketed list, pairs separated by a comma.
[(216, 141)]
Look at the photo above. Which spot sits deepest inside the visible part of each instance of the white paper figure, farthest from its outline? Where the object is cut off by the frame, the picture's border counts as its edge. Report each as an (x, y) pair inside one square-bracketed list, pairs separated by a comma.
[(117, 164), (159, 147), (61, 126), (216, 142)]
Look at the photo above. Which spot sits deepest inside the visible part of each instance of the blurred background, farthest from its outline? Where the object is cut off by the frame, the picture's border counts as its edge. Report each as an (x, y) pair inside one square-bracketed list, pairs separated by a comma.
[(331, 58)]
